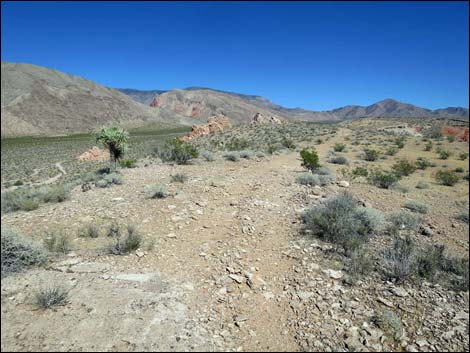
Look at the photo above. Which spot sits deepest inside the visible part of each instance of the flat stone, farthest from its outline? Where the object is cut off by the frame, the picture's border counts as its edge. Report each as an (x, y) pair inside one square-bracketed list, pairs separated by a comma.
[(135, 277)]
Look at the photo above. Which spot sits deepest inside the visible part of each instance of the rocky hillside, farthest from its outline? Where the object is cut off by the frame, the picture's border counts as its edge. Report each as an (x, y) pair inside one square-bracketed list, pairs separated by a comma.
[(40, 101), (200, 103), (144, 97)]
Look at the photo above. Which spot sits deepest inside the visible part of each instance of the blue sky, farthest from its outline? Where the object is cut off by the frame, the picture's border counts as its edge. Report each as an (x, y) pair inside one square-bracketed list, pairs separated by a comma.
[(318, 55)]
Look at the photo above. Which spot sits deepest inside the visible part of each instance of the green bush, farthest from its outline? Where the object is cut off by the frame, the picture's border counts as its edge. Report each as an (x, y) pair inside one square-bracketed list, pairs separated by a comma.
[(109, 180), (459, 170), (371, 155), (237, 144), (422, 163), (19, 252), (400, 142), (383, 179), (391, 151), (177, 151), (340, 220), (447, 178), (443, 154), (360, 171), (18, 183), (128, 163), (310, 159), (403, 168), (451, 138), (339, 147), (288, 143), (417, 206), (463, 156)]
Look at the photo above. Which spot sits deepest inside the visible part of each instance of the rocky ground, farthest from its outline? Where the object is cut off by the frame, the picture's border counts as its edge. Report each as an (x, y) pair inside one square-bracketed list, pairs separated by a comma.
[(224, 266)]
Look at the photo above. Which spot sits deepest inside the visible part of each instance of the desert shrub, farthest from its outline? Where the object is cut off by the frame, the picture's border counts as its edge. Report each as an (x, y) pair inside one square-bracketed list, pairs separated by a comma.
[(288, 143), (361, 262), (128, 163), (310, 159), (443, 154), (51, 297), (466, 177), (391, 151), (109, 180), (399, 259), (115, 140), (463, 156), (403, 168), (57, 242), (360, 171), (19, 252), (114, 230), (371, 155), (157, 191), (177, 151), (428, 146), (339, 147), (422, 163), (237, 144), (232, 156), (341, 221), (390, 323), (272, 149), (428, 260), (403, 220), (318, 141), (208, 156), (308, 179), (19, 199), (125, 245), (447, 178), (322, 171), (89, 230), (417, 206), (459, 170), (246, 154), (260, 155), (401, 188), (18, 183), (179, 178), (339, 160), (383, 179), (463, 216), (54, 194), (400, 142), (459, 266), (451, 138), (422, 185)]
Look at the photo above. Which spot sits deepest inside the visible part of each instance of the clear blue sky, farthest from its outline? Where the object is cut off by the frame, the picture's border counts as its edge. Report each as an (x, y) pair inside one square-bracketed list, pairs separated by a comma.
[(318, 55)]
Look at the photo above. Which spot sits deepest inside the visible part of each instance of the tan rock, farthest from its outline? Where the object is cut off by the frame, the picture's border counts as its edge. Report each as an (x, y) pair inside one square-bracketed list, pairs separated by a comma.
[(215, 123)]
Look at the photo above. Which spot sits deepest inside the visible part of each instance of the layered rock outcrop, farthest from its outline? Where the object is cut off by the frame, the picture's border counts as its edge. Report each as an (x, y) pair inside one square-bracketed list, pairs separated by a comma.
[(215, 123), (262, 119)]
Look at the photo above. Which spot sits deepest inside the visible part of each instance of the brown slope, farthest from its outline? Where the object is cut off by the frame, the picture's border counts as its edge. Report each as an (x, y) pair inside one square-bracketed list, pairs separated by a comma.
[(40, 101)]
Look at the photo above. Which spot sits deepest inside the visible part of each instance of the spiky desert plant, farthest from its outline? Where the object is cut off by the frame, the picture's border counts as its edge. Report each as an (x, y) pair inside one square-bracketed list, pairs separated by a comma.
[(115, 139)]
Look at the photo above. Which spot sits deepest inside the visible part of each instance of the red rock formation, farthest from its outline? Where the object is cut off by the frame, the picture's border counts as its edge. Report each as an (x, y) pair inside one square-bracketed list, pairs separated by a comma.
[(94, 154), (215, 123), (460, 133)]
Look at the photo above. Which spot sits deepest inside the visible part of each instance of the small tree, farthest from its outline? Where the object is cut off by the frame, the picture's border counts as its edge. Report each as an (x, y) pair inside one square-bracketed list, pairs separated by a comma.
[(115, 139), (310, 159)]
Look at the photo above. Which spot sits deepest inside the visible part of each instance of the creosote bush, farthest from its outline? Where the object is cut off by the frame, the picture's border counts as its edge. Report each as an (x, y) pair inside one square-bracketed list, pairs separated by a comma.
[(19, 252), (383, 179), (342, 221), (310, 159), (447, 178), (339, 147), (179, 178), (177, 151), (371, 155), (403, 168), (339, 160), (128, 163)]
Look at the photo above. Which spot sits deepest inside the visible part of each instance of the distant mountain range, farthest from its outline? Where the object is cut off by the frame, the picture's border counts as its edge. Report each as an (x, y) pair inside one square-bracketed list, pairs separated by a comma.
[(193, 99), (40, 101)]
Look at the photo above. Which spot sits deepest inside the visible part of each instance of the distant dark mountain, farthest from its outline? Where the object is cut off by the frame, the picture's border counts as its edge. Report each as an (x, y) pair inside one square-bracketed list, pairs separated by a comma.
[(144, 97)]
